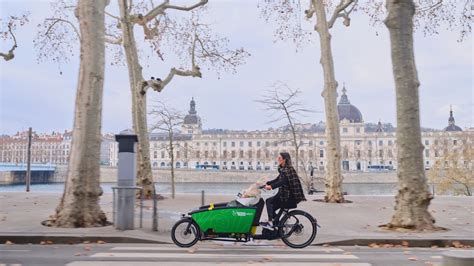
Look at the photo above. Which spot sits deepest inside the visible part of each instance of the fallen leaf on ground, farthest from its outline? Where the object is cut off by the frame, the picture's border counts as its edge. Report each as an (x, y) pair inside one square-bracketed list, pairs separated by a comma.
[(100, 242), (267, 258), (406, 252), (85, 242), (434, 246), (8, 242), (405, 243), (374, 245), (49, 242), (412, 258), (42, 243), (77, 254), (326, 245)]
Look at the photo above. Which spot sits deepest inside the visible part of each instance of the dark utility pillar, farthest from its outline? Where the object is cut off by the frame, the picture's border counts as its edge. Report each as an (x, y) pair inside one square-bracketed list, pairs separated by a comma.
[(127, 160)]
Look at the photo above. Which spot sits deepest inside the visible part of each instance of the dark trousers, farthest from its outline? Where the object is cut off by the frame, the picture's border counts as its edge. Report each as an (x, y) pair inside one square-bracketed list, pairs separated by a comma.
[(273, 204)]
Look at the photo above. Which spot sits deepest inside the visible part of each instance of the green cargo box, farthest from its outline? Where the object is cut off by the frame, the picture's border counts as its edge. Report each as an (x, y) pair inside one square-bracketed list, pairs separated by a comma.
[(225, 219)]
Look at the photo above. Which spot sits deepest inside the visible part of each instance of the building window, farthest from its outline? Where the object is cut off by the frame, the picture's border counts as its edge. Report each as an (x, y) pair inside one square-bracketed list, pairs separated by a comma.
[(241, 144), (321, 153), (162, 154), (455, 142), (224, 154), (205, 143), (321, 142), (224, 144), (436, 153), (206, 154), (241, 154), (369, 143), (380, 142), (358, 129), (358, 153), (427, 142), (310, 154), (344, 130), (436, 142), (233, 144), (258, 143), (233, 154), (198, 144), (198, 154), (390, 143), (380, 153), (177, 154), (249, 154), (250, 144), (390, 154), (369, 153), (214, 154), (427, 153), (258, 154)]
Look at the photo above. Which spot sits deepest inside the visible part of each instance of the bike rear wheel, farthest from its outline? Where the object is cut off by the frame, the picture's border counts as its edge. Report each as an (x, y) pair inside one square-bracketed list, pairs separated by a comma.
[(298, 229), (185, 233)]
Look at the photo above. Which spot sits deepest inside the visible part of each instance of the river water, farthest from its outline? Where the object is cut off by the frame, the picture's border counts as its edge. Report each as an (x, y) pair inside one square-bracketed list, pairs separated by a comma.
[(213, 188)]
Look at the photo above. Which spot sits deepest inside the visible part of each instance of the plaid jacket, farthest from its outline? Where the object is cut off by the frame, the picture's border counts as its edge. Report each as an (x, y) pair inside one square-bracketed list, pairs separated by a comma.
[(293, 191)]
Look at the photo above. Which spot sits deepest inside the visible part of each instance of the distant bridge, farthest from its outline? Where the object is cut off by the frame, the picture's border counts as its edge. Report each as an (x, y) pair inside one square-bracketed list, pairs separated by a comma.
[(21, 167)]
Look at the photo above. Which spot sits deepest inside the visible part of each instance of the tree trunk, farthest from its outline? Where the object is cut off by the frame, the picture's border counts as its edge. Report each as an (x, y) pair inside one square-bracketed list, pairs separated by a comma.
[(413, 197), (139, 113), (172, 164), (333, 147), (79, 206)]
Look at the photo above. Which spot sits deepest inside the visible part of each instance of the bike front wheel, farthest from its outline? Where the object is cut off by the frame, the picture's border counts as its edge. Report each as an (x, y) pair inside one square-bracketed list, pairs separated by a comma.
[(298, 229), (185, 233)]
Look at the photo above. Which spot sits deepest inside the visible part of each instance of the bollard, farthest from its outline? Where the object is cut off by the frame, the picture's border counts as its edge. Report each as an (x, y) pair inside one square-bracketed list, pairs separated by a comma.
[(458, 258), (202, 197), (126, 180), (154, 226)]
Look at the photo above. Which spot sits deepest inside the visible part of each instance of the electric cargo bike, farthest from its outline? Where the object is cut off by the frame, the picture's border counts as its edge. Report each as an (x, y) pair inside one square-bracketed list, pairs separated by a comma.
[(238, 221)]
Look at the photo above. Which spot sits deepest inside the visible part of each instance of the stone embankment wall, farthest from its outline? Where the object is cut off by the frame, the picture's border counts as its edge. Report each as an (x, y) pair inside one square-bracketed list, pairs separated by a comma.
[(109, 175)]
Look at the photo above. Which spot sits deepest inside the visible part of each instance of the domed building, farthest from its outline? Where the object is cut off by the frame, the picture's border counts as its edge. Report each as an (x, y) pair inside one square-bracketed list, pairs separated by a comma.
[(451, 123), (192, 122), (348, 111)]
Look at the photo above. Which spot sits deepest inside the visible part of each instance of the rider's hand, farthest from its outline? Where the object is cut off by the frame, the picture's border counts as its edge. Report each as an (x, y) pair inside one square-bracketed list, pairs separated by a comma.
[(268, 187)]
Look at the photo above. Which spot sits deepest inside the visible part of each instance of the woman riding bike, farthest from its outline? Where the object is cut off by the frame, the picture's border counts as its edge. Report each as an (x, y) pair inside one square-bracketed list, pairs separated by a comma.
[(290, 191)]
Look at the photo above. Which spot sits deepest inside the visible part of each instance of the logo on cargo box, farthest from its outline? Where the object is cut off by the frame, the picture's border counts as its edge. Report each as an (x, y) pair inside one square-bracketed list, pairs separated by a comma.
[(240, 214)]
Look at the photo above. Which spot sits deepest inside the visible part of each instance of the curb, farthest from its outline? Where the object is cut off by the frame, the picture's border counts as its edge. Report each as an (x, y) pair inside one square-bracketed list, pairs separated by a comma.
[(63, 239), (421, 243)]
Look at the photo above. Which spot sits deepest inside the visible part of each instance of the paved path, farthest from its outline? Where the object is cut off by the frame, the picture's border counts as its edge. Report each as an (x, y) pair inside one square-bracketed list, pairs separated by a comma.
[(21, 215)]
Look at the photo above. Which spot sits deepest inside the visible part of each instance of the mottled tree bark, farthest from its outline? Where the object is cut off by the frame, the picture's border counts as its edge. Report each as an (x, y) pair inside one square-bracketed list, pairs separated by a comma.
[(79, 206), (333, 147), (139, 113), (413, 197)]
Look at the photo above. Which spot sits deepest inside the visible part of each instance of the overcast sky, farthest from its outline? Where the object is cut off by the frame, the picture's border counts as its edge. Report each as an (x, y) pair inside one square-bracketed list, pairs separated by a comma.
[(36, 95)]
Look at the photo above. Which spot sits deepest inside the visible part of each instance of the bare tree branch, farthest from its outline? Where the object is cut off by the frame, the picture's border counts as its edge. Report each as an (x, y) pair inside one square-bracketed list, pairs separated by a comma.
[(160, 10), (10, 55), (340, 12), (57, 20), (112, 16)]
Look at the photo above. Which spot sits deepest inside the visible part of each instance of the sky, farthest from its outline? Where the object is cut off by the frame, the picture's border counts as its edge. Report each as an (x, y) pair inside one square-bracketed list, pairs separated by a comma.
[(38, 95)]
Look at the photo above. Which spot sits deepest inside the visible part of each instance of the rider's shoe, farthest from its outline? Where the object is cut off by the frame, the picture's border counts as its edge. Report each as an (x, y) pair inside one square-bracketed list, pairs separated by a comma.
[(267, 225)]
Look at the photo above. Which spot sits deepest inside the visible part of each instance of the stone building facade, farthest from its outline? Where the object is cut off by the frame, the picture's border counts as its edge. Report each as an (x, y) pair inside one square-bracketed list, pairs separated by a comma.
[(364, 146)]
